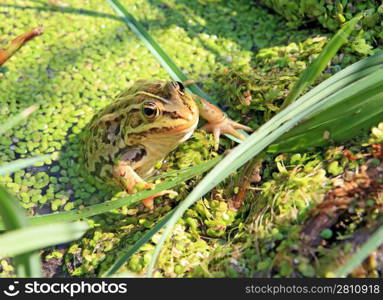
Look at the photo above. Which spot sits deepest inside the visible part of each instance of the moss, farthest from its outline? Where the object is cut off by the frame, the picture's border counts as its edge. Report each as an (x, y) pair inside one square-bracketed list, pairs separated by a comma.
[(245, 57), (6, 268), (254, 94), (332, 14)]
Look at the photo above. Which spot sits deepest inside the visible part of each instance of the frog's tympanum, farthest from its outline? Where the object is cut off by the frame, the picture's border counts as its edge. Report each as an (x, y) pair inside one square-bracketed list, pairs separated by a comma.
[(125, 139)]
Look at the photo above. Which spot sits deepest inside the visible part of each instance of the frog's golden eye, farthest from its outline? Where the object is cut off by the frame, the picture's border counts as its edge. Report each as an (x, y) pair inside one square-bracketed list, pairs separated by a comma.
[(150, 110)]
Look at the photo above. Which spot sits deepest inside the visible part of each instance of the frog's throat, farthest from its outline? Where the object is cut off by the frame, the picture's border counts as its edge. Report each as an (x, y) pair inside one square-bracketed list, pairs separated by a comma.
[(162, 146)]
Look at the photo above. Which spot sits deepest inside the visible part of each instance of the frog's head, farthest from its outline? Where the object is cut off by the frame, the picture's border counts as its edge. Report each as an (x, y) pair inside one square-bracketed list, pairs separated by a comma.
[(166, 108), (157, 114)]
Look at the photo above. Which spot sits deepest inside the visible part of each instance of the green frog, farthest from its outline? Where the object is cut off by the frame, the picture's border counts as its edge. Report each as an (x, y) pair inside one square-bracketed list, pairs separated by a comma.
[(145, 122)]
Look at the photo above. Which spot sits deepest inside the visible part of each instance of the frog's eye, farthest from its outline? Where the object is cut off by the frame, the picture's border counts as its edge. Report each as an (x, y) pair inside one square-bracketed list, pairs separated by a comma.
[(150, 110)]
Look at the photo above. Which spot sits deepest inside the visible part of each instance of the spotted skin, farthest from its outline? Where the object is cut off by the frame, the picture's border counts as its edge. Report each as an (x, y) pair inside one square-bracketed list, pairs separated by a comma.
[(125, 139)]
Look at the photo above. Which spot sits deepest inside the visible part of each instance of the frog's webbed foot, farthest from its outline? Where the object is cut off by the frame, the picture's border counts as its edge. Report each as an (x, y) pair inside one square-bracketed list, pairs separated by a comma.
[(130, 181), (218, 123), (225, 126)]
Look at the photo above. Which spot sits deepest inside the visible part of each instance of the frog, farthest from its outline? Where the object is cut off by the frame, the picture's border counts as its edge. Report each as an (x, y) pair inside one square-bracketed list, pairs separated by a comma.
[(127, 138)]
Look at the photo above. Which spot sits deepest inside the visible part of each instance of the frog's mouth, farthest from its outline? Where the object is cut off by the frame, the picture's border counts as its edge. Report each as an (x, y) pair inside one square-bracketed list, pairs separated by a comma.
[(188, 133), (165, 139), (177, 132)]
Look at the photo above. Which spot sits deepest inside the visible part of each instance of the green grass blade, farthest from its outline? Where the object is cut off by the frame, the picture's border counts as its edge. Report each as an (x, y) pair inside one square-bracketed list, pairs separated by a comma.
[(21, 164), (362, 253), (166, 62), (28, 265), (96, 209), (346, 77), (361, 103), (321, 62), (327, 91), (339, 129), (300, 138), (259, 140), (13, 216), (131, 250), (16, 119), (32, 238)]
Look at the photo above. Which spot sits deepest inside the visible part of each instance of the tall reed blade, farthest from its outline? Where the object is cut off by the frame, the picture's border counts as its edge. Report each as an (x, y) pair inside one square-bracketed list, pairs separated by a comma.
[(361, 254), (24, 240), (13, 216), (166, 62), (320, 63), (19, 164), (96, 209), (16, 119)]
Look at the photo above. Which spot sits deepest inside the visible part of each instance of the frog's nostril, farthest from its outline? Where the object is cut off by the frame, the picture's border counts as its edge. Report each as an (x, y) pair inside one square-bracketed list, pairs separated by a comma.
[(178, 86), (181, 86)]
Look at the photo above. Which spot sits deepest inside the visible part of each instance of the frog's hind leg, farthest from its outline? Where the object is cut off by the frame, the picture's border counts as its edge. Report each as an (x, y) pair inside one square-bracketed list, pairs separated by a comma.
[(127, 178)]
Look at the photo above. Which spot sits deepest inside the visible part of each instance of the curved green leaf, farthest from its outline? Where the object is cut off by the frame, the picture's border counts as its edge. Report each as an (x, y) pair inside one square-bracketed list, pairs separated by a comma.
[(13, 216), (21, 164), (16, 119), (96, 209), (321, 62), (361, 254), (358, 106), (20, 241)]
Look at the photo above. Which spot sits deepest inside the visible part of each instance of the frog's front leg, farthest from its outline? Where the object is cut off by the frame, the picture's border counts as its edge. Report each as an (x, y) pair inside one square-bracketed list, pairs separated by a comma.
[(218, 123), (129, 180)]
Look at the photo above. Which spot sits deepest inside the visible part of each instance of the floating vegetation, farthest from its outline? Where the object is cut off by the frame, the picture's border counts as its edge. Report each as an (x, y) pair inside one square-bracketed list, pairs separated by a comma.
[(323, 199)]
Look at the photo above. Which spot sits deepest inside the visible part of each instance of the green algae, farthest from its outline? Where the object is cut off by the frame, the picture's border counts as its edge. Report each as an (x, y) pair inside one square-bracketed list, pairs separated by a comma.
[(243, 55)]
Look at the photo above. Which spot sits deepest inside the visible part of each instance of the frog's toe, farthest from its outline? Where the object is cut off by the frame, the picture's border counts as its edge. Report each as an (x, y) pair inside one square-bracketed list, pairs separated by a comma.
[(225, 126), (237, 125), (166, 192), (148, 202)]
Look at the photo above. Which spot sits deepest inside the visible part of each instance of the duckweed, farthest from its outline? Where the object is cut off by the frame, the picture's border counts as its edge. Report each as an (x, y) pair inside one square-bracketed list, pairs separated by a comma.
[(245, 57)]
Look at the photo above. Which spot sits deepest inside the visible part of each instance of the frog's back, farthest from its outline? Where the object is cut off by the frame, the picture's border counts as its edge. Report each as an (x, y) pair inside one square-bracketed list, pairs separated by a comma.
[(103, 138)]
